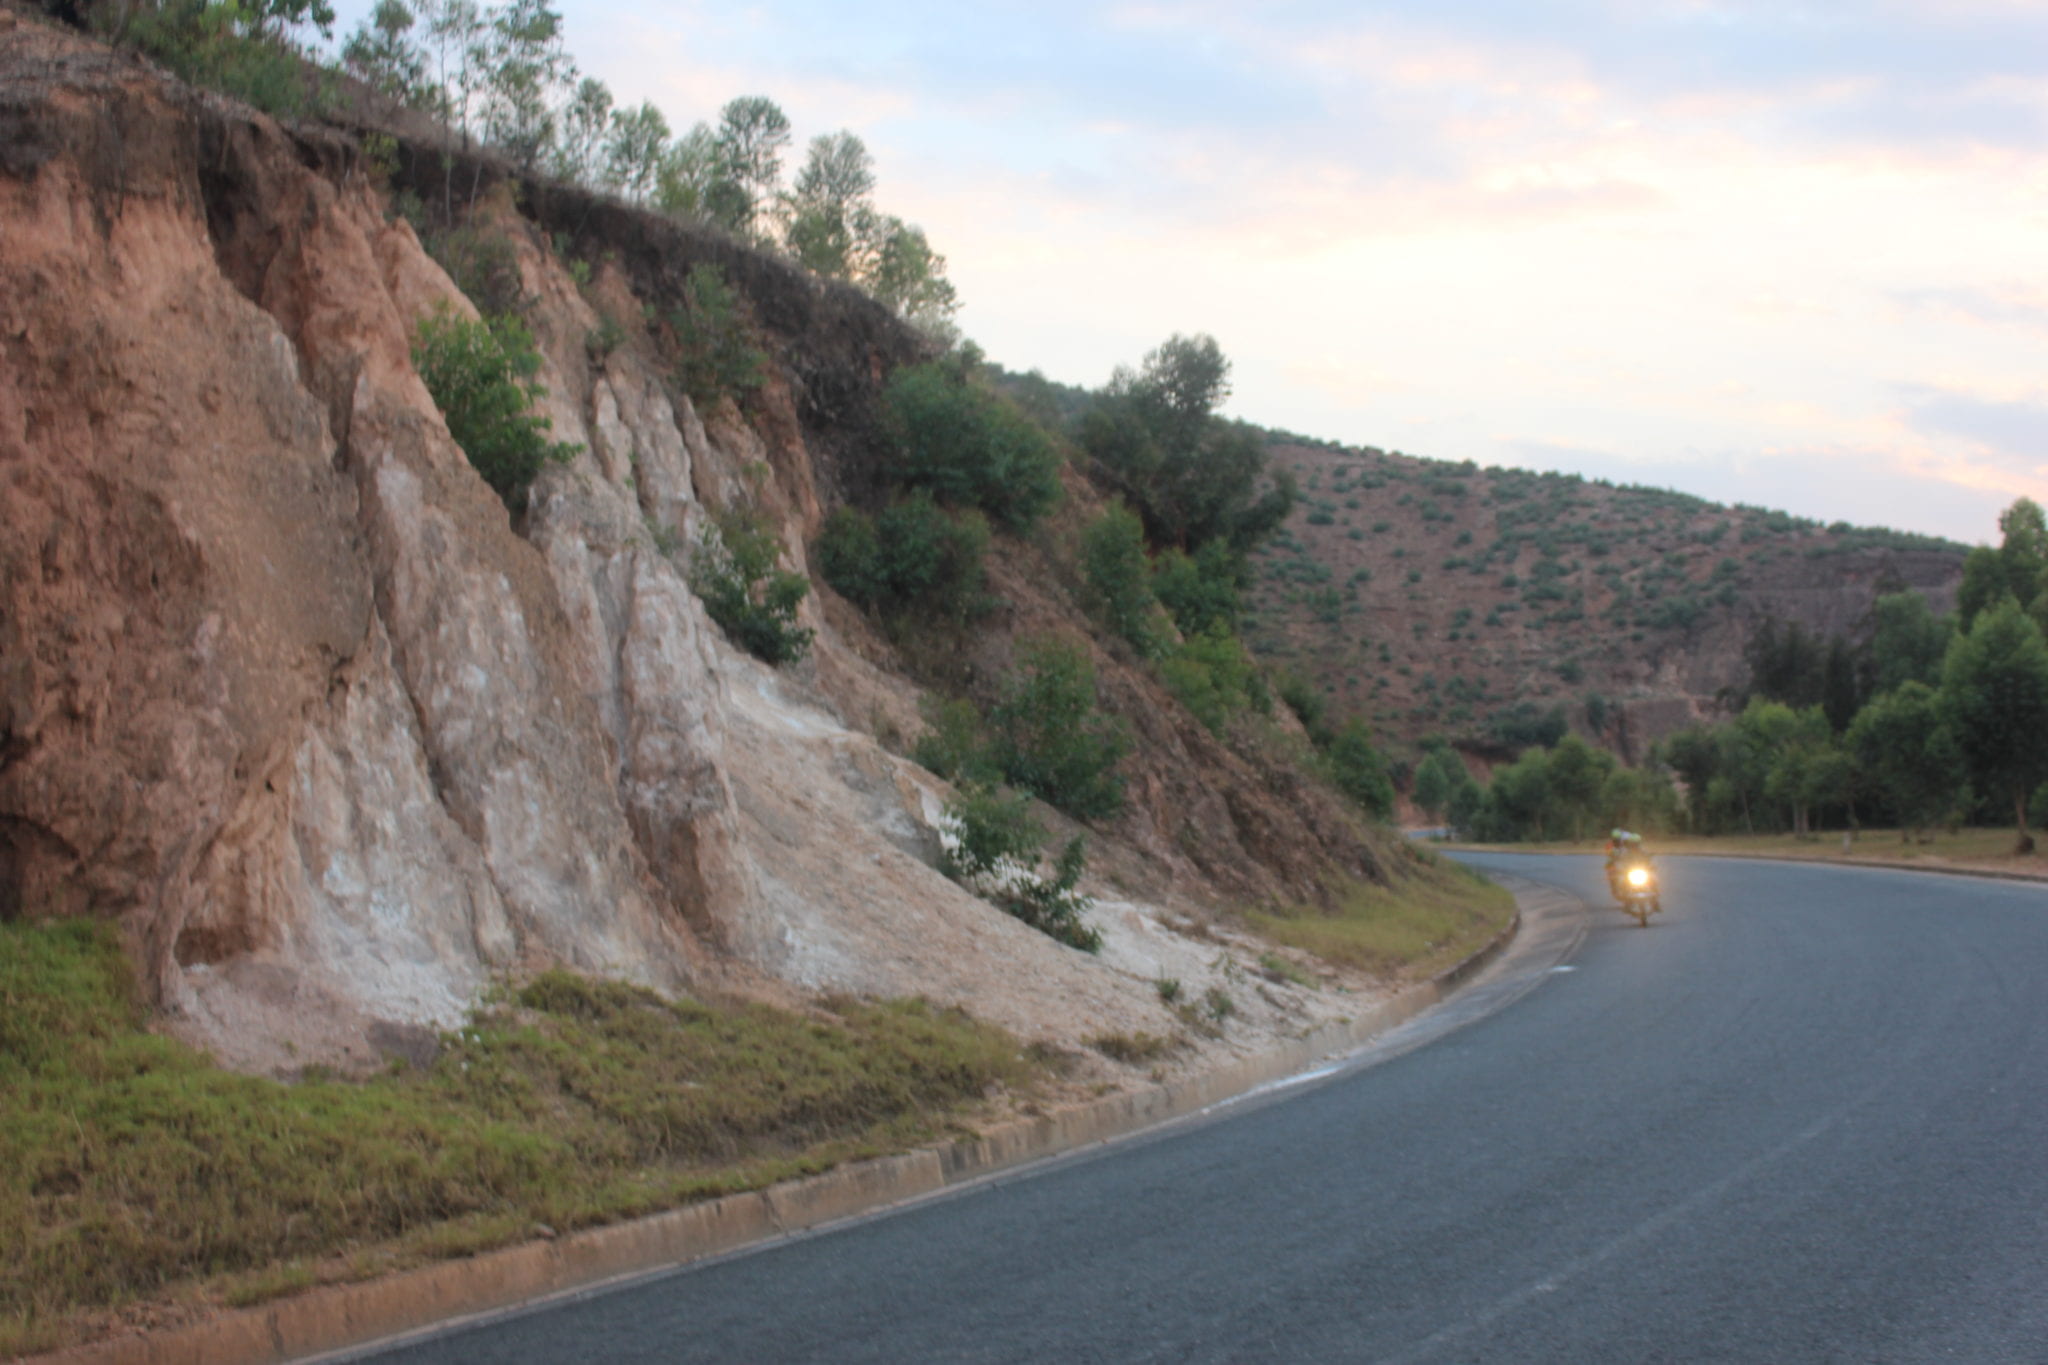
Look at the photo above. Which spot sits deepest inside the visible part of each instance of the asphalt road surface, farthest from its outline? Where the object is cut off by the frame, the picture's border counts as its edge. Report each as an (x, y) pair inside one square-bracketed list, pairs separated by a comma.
[(1801, 1117)]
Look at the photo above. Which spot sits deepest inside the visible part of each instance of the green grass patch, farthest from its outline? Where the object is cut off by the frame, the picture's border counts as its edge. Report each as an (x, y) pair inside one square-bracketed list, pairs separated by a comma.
[(133, 1168), (1428, 923)]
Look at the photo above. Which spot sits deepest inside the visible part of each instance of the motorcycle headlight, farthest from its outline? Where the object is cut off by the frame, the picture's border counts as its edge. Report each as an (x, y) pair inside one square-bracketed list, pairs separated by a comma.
[(1639, 877)]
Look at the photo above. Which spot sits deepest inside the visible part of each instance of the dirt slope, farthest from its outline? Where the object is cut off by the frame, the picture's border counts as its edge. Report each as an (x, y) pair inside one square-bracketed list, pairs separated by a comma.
[(285, 691)]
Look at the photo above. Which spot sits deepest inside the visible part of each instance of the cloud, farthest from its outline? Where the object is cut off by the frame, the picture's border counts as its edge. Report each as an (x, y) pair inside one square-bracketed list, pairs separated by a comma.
[(2012, 305), (2015, 432)]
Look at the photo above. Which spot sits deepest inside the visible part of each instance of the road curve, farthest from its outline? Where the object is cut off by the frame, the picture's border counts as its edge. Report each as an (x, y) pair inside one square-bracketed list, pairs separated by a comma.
[(1802, 1117)]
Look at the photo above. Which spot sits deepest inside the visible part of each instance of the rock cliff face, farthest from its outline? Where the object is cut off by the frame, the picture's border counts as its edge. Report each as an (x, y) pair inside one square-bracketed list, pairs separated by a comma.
[(285, 692)]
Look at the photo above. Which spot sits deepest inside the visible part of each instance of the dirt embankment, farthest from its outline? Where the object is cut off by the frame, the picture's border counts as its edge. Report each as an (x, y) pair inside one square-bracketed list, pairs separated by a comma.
[(285, 691)]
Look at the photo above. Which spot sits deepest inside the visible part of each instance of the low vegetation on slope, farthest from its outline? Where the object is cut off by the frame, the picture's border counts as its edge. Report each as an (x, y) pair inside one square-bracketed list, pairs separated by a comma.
[(131, 1167), (1423, 926)]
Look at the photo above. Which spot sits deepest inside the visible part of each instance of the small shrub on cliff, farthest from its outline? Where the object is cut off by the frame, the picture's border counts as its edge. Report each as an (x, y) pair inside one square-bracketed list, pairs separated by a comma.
[(481, 377), (1214, 678), (714, 355), (995, 855), (956, 745), (914, 557), (733, 570), (1047, 736), (1119, 579)]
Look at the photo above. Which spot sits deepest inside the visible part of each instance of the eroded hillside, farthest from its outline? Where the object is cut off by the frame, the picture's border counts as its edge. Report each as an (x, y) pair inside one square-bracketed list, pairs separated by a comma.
[(287, 693)]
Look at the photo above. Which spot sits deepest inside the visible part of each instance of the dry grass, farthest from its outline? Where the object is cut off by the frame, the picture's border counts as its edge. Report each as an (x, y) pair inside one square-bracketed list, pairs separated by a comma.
[(133, 1171), (1411, 931)]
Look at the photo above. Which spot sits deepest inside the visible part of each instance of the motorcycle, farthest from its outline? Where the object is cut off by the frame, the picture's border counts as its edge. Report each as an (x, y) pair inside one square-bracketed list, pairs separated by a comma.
[(1635, 885)]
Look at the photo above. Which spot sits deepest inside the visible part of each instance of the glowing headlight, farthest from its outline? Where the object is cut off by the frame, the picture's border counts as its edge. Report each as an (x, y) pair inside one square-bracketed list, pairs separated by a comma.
[(1639, 877)]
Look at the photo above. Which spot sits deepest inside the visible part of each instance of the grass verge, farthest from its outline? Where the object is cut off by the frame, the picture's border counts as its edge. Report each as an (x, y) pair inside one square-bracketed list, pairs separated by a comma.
[(1987, 850), (1409, 931), (134, 1170)]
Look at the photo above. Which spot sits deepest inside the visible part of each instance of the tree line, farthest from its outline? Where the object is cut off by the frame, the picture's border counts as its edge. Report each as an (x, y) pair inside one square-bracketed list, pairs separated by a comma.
[(501, 76), (1929, 720)]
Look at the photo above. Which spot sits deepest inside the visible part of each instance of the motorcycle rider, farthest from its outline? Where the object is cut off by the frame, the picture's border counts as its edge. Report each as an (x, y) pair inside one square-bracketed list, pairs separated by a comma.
[(1623, 848)]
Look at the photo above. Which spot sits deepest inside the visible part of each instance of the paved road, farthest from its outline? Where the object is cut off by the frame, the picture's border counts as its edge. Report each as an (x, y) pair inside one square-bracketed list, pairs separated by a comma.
[(1802, 1117)]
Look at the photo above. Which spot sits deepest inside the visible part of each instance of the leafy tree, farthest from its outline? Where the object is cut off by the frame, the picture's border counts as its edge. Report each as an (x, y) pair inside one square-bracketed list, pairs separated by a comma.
[(1907, 642), (734, 569), (635, 149), (1517, 799), (1639, 799), (1437, 780), (2019, 566), (1994, 688), (829, 214), (1787, 663), (908, 276), (1359, 770), (481, 375), (1154, 437), (526, 73), (454, 41), (1527, 725), (1577, 773), (1694, 755), (382, 54), (752, 134), (585, 123), (971, 447), (1047, 737), (1902, 746)]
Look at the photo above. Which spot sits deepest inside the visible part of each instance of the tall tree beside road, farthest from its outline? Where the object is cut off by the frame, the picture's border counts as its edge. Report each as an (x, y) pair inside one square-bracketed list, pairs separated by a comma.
[(1903, 749), (2018, 566), (1994, 688)]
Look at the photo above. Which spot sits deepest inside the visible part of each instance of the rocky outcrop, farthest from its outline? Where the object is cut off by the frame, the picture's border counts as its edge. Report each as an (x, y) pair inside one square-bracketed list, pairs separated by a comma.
[(287, 693)]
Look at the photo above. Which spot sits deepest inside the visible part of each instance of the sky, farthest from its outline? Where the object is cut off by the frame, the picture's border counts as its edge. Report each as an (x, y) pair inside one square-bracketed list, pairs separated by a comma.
[(1792, 255)]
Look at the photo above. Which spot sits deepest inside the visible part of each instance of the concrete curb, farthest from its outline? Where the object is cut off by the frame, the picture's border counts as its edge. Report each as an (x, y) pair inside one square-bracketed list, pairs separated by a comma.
[(338, 1317)]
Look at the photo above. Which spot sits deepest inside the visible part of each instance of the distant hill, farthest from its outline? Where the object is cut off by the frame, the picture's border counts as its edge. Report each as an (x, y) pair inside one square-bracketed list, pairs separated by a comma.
[(1432, 597)]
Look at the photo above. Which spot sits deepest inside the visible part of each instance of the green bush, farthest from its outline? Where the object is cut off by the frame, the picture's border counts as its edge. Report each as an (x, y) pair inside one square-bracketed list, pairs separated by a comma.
[(1214, 678), (1047, 737), (995, 855), (484, 266), (969, 446), (913, 557), (481, 376), (734, 571), (1359, 771), (1201, 591), (956, 745), (714, 355), (1119, 582)]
